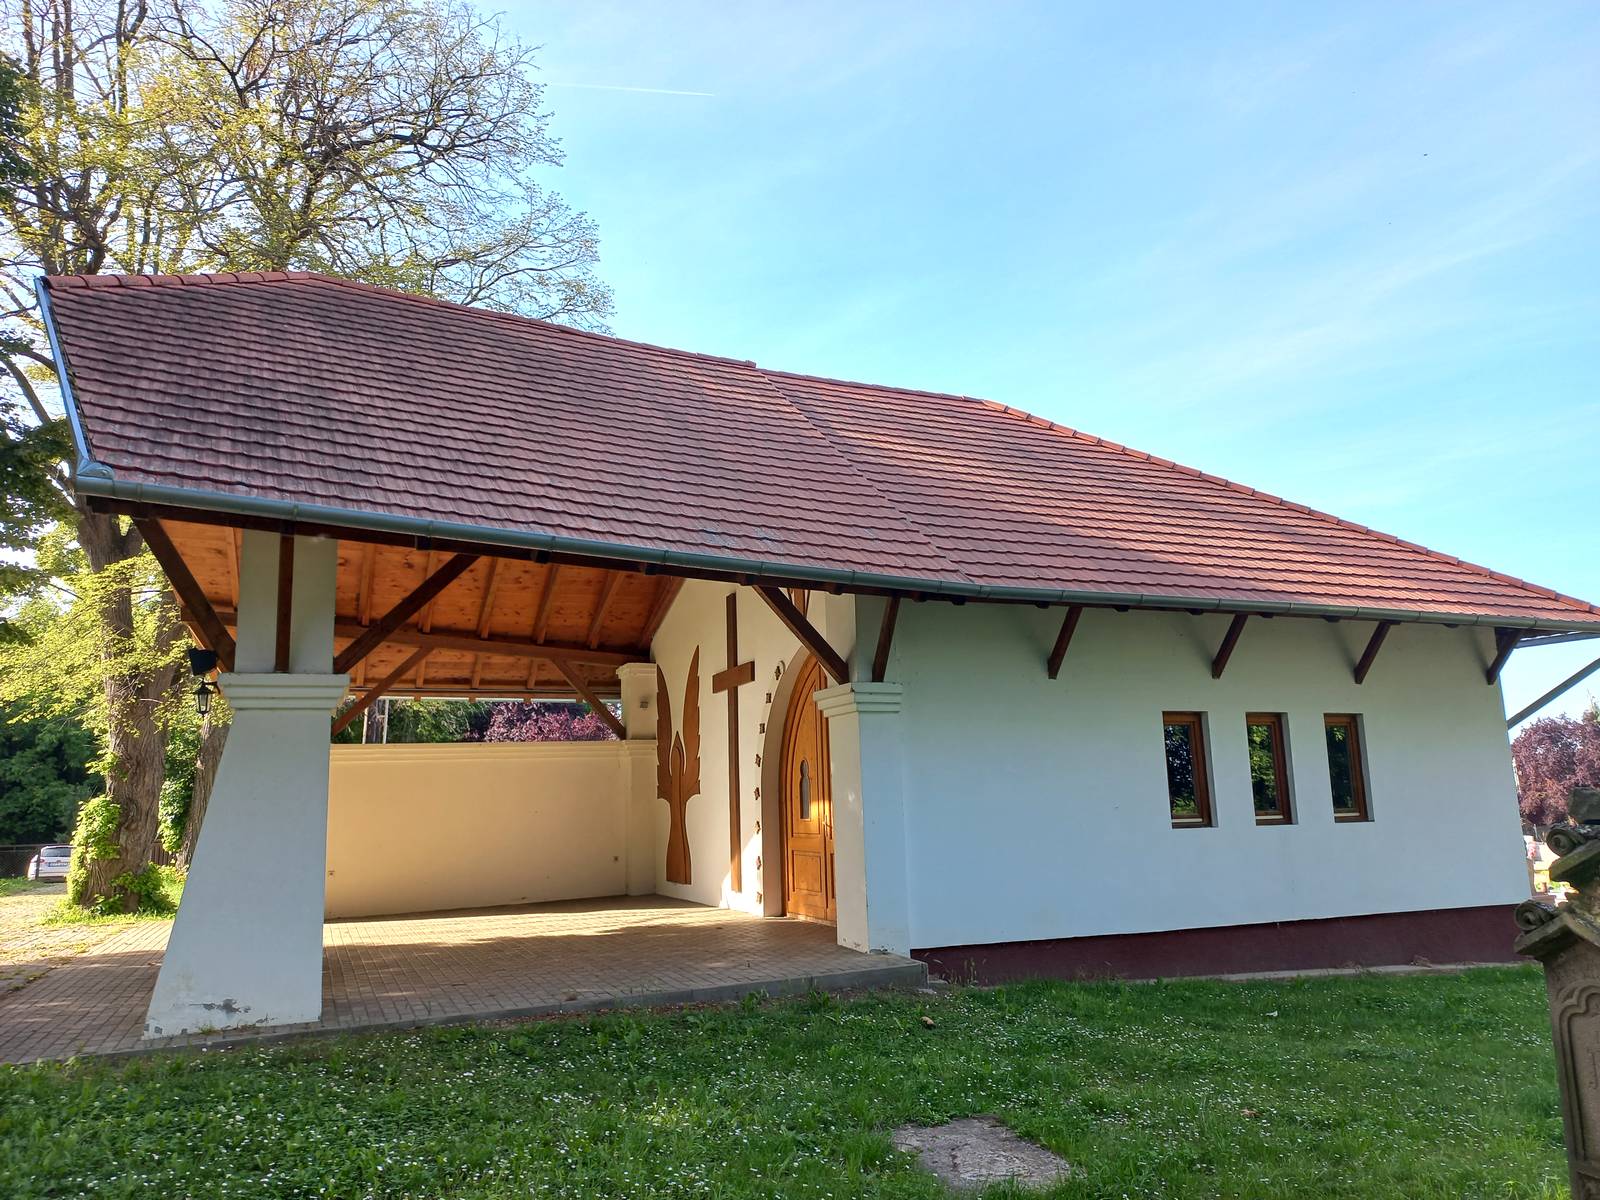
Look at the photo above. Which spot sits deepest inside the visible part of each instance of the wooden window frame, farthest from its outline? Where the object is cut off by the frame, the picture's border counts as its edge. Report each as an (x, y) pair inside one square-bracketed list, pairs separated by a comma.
[(1280, 768), (1204, 812), (1361, 810)]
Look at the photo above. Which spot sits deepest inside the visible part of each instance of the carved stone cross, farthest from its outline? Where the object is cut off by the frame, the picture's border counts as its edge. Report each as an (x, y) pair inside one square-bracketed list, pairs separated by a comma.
[(730, 680)]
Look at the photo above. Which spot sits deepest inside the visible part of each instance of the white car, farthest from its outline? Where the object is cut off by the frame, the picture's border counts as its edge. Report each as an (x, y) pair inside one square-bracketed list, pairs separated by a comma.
[(50, 863)]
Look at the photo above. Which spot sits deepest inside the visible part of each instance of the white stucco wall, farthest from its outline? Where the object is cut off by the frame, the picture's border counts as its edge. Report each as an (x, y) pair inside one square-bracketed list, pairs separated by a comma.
[(699, 619), (430, 828), (1037, 808)]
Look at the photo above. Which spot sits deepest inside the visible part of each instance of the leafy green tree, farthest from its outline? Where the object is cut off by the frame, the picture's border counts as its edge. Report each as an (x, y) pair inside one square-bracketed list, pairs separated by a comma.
[(388, 140), (178, 778), (86, 646), (424, 721), (45, 774), (13, 166), (29, 451)]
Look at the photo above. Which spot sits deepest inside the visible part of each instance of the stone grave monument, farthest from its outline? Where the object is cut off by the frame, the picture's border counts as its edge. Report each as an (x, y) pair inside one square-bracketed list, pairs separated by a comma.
[(1566, 939)]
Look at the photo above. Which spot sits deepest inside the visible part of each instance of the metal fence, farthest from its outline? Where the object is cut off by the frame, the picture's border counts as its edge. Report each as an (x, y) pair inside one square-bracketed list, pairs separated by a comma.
[(14, 859)]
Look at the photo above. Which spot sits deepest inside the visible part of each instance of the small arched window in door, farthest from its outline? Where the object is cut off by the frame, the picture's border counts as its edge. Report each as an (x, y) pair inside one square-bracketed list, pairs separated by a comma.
[(805, 790)]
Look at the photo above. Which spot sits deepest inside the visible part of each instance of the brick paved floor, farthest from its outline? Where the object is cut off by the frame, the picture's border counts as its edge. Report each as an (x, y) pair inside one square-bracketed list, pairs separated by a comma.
[(405, 971), (28, 947)]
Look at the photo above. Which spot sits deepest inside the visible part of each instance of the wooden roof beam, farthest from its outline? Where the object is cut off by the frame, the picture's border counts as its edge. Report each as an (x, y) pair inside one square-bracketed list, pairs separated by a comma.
[(555, 690), (795, 621), (377, 690), (593, 701), (493, 645), (1505, 641), (402, 612), (486, 606), (1058, 652), (235, 539), (425, 623), (1370, 654), (143, 509), (1229, 641), (671, 585), (608, 592), (210, 631), (505, 647), (369, 563), (485, 614), (280, 648), (541, 620), (880, 657)]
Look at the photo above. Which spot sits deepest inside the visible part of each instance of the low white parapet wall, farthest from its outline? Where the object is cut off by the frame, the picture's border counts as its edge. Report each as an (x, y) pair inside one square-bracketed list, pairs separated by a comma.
[(430, 828)]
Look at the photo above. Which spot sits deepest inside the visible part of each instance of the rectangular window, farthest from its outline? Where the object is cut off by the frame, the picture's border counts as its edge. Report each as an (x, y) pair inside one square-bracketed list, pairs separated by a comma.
[(1188, 788), (1344, 766), (1269, 768)]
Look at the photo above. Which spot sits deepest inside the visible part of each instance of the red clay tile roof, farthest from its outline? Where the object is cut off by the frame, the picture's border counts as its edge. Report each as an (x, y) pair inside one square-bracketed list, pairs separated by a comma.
[(323, 392)]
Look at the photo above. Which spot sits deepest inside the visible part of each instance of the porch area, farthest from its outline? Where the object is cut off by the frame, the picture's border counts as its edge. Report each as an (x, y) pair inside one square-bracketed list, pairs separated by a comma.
[(439, 968)]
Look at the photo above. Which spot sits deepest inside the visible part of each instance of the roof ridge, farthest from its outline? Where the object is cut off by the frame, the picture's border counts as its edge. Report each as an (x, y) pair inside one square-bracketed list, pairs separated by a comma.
[(876, 387), (1272, 498)]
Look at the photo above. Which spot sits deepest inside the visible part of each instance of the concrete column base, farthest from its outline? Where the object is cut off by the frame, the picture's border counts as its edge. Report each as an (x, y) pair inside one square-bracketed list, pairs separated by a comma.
[(246, 948)]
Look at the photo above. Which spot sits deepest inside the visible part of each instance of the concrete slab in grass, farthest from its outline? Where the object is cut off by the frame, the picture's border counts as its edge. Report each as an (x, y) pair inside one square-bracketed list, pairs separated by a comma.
[(975, 1152)]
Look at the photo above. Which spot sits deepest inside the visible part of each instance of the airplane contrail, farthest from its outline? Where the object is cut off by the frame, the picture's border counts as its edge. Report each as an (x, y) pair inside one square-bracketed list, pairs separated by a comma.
[(613, 87)]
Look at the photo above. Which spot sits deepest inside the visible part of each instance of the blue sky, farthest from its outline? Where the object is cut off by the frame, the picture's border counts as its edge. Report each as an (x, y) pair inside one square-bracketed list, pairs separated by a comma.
[(1348, 254)]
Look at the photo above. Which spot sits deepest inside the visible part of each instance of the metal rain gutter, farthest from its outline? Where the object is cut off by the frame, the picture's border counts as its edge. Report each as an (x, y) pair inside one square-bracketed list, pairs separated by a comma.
[(100, 482), (97, 479), (86, 465)]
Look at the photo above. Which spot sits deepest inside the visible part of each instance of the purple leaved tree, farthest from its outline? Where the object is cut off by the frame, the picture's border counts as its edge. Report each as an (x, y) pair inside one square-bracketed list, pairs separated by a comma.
[(544, 721), (1553, 755)]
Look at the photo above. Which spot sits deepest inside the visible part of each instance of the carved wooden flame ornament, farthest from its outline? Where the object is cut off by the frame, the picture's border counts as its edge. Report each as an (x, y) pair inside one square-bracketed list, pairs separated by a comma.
[(678, 767)]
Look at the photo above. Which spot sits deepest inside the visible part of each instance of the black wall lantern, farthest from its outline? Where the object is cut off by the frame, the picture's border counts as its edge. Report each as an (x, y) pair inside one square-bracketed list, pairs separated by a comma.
[(202, 663)]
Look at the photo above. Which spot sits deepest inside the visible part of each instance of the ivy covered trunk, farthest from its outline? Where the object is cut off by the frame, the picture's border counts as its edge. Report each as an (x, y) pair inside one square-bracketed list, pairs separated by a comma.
[(213, 740), (117, 834)]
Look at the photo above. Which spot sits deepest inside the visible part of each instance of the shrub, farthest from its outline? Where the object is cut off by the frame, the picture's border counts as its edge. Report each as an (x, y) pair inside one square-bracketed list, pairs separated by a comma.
[(534, 721), (94, 839)]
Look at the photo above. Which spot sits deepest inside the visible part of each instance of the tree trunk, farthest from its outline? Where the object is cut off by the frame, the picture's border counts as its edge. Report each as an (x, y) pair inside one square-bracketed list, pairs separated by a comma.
[(374, 729), (136, 738), (213, 738)]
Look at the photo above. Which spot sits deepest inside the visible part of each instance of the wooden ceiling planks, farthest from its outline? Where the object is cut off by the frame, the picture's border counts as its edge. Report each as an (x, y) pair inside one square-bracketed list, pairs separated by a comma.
[(590, 609)]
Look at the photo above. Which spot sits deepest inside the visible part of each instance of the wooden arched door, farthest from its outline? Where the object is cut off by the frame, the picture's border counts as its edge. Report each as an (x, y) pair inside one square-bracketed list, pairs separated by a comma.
[(808, 887)]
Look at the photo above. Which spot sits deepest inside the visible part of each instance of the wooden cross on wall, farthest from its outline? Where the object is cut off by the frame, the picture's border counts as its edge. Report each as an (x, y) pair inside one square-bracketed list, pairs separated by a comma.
[(730, 680)]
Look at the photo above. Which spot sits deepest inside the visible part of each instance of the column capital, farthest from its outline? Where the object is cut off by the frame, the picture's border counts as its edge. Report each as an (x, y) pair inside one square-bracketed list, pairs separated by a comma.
[(247, 691), (638, 680), (848, 699)]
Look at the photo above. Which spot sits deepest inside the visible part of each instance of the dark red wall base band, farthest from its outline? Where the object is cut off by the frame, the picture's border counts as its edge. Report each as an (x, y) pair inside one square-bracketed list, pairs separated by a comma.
[(1448, 935)]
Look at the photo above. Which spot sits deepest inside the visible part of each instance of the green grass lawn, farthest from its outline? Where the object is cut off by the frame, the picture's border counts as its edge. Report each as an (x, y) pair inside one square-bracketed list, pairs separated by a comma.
[(1440, 1086), (164, 903), (17, 886)]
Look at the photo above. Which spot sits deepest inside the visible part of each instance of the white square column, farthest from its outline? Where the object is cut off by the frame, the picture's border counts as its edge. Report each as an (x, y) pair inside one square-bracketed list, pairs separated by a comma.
[(246, 947), (639, 788), (867, 781)]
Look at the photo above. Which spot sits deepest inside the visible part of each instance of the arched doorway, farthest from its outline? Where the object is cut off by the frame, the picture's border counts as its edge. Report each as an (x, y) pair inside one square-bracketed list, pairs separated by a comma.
[(807, 817)]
